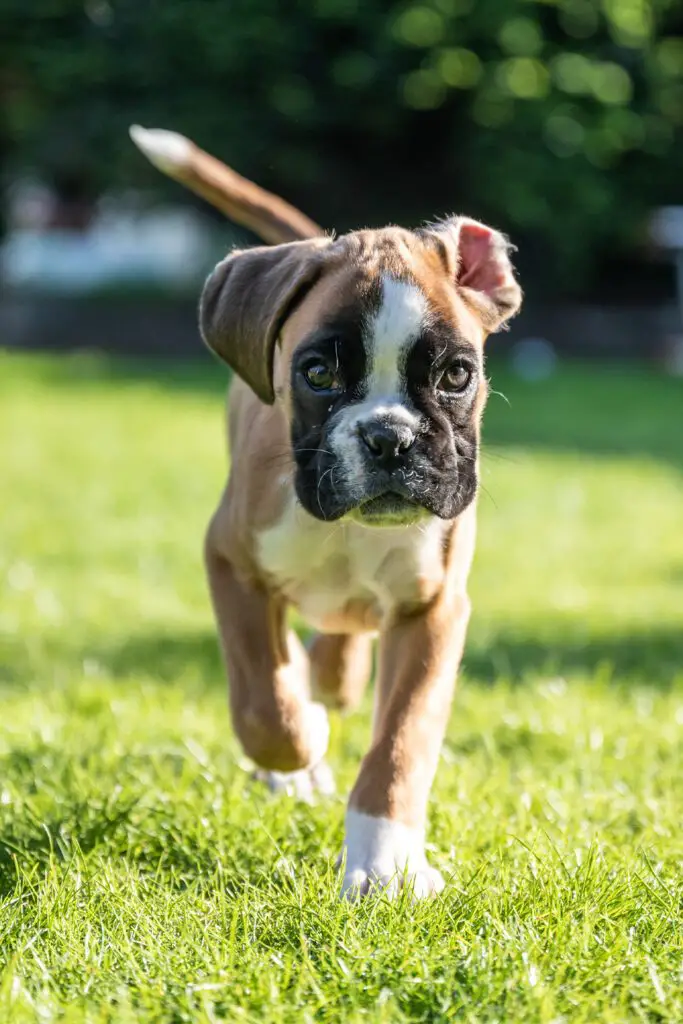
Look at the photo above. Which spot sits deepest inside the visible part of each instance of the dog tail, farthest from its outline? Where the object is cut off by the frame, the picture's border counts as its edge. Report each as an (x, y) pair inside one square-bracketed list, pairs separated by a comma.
[(268, 216)]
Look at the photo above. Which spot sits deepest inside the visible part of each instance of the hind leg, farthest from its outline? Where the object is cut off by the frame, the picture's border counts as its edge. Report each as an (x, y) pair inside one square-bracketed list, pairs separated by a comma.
[(340, 668)]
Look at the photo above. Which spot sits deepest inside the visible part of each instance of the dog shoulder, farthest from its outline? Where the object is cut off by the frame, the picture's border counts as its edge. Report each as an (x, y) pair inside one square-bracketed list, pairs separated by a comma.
[(260, 470)]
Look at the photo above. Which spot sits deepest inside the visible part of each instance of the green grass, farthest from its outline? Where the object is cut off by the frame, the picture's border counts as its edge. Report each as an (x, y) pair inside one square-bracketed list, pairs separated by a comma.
[(144, 878)]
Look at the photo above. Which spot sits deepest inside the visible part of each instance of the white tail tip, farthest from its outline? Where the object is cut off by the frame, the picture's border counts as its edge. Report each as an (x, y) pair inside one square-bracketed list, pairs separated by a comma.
[(168, 151)]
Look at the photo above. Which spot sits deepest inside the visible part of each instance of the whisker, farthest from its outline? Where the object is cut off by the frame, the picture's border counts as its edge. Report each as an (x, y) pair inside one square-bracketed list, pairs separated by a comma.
[(320, 480), (488, 494), (494, 453), (501, 395)]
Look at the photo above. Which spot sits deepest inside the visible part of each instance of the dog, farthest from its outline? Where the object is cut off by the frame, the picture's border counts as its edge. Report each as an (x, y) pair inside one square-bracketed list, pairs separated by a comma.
[(354, 423)]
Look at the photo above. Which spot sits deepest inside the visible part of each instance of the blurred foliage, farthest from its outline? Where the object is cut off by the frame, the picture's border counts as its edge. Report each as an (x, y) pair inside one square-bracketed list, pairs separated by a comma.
[(560, 121)]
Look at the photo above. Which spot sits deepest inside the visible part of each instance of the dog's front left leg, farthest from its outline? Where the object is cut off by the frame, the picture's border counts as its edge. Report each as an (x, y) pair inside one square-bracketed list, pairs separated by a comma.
[(386, 815), (278, 725)]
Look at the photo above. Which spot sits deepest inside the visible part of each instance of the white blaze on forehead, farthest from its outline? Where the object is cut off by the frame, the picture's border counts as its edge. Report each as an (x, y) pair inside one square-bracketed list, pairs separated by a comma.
[(393, 329), (389, 335)]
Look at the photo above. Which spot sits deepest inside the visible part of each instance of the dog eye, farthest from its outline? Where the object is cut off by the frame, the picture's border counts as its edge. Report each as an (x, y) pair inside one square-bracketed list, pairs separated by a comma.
[(320, 377), (455, 378)]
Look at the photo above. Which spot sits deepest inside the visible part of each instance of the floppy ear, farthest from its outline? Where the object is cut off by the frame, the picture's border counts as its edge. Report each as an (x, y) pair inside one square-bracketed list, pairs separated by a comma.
[(247, 299), (483, 269)]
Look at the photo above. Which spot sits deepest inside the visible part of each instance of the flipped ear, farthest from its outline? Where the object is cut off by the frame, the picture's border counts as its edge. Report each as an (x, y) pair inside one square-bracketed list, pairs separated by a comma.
[(483, 269), (247, 299)]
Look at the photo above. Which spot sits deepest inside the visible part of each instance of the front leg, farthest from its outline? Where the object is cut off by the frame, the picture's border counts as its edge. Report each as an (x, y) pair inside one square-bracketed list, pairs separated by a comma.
[(280, 728), (386, 815)]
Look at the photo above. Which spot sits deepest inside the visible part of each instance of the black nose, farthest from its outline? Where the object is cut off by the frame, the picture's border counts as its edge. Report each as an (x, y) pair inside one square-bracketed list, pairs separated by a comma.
[(386, 441)]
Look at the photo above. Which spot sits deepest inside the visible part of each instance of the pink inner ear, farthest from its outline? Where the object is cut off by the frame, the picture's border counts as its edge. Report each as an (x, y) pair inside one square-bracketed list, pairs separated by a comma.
[(483, 262)]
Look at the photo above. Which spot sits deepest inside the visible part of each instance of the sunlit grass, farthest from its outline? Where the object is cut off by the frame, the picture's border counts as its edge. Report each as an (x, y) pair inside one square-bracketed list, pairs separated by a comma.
[(144, 878)]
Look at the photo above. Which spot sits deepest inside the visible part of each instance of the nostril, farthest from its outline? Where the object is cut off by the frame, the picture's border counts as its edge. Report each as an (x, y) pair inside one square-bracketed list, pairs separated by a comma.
[(385, 441), (370, 439)]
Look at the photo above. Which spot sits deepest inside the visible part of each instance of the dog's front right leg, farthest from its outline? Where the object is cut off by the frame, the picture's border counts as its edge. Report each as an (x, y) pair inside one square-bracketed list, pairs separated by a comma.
[(387, 811), (278, 725)]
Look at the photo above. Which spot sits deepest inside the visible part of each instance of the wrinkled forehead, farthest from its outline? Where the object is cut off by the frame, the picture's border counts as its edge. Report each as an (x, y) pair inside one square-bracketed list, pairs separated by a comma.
[(390, 291)]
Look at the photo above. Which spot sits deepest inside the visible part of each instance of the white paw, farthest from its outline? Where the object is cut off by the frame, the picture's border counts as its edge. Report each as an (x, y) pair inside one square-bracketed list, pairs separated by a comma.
[(303, 785), (387, 856)]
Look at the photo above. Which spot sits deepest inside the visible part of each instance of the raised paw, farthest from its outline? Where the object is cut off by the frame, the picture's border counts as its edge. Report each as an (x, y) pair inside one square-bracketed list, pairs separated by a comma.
[(385, 856), (303, 785)]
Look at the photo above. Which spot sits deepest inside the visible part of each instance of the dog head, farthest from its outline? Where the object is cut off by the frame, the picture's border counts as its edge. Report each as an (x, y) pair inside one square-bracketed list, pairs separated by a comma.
[(373, 345)]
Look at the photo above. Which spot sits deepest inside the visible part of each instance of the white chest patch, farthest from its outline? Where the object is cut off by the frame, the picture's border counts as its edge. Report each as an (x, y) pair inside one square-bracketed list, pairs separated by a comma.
[(322, 568)]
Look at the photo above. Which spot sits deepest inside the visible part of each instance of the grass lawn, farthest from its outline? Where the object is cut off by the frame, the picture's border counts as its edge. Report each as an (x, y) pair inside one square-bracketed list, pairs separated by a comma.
[(143, 877)]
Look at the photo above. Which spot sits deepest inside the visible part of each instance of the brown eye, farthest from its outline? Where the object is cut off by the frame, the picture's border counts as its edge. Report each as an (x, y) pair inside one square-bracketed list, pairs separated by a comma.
[(455, 378), (320, 377)]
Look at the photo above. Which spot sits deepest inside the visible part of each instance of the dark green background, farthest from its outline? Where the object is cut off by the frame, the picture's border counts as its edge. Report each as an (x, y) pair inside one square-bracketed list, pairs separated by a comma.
[(560, 122)]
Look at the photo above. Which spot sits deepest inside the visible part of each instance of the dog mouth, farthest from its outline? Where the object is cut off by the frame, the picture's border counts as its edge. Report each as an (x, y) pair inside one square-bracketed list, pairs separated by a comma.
[(390, 506), (387, 499)]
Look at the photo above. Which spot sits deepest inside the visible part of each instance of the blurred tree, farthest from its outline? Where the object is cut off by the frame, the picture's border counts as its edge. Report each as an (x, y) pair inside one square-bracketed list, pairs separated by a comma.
[(558, 120)]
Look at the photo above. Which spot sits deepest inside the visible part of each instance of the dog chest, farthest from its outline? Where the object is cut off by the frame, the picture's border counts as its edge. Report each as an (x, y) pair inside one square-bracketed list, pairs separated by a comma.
[(344, 575)]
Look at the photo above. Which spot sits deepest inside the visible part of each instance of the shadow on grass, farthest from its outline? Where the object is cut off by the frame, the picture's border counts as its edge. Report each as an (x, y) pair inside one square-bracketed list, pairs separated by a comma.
[(651, 658), (165, 658), (32, 842), (150, 835), (37, 845)]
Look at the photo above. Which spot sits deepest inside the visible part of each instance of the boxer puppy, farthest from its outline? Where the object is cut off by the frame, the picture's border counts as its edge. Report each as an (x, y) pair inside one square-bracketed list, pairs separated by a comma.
[(354, 425)]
